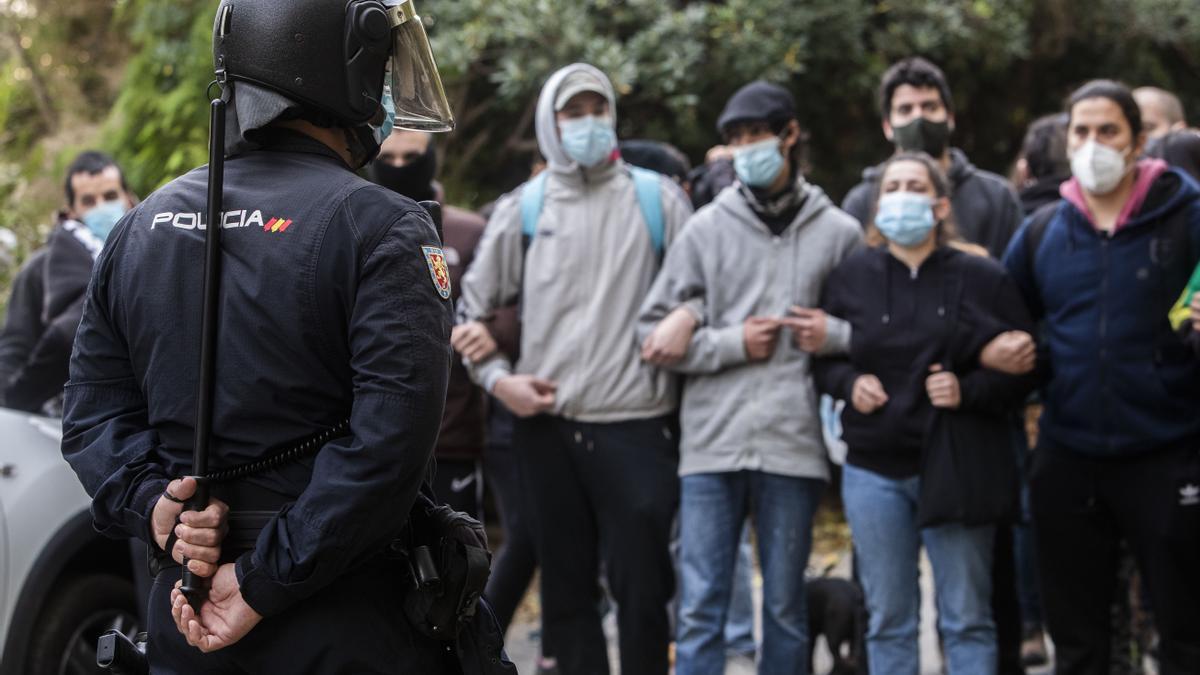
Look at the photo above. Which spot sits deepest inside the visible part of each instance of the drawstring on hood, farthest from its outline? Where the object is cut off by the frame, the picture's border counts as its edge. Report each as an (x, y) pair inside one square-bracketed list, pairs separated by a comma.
[(545, 123)]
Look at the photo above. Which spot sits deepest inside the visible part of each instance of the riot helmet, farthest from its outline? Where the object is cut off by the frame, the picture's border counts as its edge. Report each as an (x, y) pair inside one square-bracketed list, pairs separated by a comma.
[(332, 59)]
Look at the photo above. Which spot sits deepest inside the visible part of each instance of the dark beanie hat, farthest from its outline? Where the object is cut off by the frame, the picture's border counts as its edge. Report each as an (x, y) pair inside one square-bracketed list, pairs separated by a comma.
[(755, 102)]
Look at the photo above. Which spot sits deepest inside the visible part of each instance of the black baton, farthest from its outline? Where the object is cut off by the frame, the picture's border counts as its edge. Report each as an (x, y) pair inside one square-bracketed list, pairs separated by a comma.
[(195, 588)]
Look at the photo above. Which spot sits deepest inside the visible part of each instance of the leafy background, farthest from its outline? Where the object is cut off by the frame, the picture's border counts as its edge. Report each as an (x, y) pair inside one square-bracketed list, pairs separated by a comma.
[(130, 76)]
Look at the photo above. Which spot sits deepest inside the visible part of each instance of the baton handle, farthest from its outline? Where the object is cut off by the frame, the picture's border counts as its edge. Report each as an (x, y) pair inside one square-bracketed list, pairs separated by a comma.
[(194, 587)]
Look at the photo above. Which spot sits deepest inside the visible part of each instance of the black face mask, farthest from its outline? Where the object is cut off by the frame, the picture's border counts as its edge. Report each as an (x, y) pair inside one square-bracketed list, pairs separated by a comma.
[(413, 180), (921, 135)]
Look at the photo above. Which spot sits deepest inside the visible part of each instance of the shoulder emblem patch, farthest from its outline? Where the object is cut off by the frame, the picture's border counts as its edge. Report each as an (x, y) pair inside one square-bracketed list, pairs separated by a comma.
[(438, 270)]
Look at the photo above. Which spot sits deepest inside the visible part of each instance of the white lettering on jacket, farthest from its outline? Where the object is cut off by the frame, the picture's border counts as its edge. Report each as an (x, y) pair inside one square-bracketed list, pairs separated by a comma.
[(195, 221)]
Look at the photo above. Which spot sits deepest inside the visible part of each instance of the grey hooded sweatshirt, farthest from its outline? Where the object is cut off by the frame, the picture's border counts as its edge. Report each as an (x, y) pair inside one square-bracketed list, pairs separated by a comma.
[(580, 281), (727, 267)]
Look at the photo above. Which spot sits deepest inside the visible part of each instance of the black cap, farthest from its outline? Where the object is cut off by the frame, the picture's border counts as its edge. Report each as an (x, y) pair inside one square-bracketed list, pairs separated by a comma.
[(758, 101)]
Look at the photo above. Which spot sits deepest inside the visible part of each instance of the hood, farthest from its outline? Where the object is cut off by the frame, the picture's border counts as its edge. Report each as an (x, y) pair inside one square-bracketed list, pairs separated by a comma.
[(545, 125), (733, 204), (1157, 191), (1171, 190)]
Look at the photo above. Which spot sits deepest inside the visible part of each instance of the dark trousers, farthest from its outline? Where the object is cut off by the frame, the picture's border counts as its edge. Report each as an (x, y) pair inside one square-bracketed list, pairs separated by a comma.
[(354, 625), (1083, 507), (603, 492), (515, 563), (458, 483), (1006, 610)]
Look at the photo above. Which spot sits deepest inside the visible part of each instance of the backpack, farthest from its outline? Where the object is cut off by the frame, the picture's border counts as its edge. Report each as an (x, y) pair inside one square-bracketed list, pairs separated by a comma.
[(645, 182)]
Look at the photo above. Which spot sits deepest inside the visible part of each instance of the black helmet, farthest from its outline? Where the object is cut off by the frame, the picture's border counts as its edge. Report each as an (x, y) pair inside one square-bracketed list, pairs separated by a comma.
[(331, 57)]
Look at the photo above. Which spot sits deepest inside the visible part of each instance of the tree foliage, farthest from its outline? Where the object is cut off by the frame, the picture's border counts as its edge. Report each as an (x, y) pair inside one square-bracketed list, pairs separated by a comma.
[(130, 76)]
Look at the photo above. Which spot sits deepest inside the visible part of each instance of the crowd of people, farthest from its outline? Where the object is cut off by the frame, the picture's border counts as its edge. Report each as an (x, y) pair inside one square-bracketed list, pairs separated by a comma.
[(643, 348)]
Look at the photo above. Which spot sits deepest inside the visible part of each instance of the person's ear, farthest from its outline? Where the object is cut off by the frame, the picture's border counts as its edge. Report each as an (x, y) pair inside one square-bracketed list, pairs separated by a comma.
[(950, 122), (941, 209), (888, 133), (791, 136)]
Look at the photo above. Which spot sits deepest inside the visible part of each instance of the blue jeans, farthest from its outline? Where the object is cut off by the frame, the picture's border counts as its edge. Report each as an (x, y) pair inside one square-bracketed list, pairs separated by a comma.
[(882, 513), (713, 509), (739, 625)]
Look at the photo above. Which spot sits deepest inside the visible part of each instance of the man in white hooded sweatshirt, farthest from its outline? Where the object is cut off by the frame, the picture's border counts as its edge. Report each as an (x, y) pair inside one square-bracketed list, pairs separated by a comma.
[(596, 438)]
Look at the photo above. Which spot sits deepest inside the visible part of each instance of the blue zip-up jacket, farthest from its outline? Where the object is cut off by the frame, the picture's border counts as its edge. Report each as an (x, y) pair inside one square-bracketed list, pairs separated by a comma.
[(1117, 381), (328, 310)]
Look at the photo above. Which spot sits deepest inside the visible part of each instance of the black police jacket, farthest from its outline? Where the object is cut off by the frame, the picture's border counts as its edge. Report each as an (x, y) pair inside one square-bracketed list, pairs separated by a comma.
[(332, 306)]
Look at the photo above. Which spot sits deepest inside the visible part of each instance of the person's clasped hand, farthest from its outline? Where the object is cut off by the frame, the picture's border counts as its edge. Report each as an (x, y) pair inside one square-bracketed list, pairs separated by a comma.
[(525, 395), (668, 343), (810, 328), (1012, 352), (224, 617), (943, 388), (473, 340), (868, 395), (199, 532)]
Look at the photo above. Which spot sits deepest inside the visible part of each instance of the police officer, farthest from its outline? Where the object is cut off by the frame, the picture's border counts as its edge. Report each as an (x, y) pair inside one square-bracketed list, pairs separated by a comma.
[(333, 306)]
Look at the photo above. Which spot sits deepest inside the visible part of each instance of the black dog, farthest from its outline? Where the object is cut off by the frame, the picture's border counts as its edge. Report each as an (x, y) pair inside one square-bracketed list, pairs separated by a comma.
[(834, 611)]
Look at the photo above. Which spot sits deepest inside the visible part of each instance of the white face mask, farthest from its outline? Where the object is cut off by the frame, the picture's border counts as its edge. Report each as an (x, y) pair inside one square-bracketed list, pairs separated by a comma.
[(1098, 167)]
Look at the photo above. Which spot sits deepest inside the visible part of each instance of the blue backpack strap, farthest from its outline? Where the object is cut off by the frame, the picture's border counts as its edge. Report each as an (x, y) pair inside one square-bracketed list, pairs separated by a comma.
[(649, 195), (532, 197)]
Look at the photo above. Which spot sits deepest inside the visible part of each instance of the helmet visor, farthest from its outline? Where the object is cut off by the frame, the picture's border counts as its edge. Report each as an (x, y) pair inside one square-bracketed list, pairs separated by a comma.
[(416, 86)]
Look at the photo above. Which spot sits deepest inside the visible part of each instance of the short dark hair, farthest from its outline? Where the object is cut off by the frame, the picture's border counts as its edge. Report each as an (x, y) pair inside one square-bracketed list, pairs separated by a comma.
[(657, 156), (1045, 147), (917, 72), (90, 162), (1114, 91)]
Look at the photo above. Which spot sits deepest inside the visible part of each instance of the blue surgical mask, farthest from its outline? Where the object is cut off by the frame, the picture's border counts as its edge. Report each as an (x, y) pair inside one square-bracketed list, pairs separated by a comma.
[(905, 217), (588, 140), (102, 219), (389, 121), (758, 164)]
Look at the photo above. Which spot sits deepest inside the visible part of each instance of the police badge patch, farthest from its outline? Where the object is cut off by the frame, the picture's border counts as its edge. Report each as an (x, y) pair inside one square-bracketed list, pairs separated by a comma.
[(438, 270)]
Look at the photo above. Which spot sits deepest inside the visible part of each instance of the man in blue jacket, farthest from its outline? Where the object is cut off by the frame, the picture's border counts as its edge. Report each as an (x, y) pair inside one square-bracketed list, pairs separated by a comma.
[(1119, 450)]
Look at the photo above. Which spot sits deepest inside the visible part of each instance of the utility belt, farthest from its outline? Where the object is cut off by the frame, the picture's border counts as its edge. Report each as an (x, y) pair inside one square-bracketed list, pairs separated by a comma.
[(442, 553)]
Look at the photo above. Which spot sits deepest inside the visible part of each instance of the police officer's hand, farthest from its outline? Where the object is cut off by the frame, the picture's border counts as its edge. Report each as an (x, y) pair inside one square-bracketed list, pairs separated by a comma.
[(810, 328), (473, 340), (943, 389), (868, 395), (760, 334), (224, 617), (525, 395), (1012, 352), (668, 343), (199, 532), (1195, 306)]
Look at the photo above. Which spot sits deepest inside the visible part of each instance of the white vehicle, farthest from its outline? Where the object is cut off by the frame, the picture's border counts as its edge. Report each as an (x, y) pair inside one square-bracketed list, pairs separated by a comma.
[(61, 583)]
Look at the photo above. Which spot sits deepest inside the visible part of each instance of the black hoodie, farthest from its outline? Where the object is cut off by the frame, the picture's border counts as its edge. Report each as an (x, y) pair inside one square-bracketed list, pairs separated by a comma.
[(902, 323), (985, 209)]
